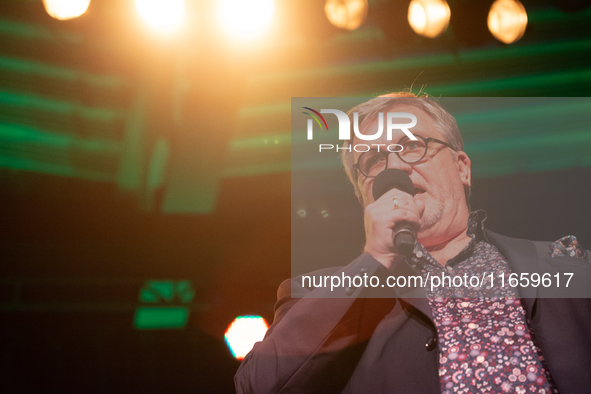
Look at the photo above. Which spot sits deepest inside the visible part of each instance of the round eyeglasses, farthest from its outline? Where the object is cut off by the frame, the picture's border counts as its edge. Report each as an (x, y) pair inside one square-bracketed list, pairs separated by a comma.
[(372, 162)]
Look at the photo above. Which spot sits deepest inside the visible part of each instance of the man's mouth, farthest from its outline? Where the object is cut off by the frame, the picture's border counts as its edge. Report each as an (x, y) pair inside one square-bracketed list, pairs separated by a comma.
[(418, 190)]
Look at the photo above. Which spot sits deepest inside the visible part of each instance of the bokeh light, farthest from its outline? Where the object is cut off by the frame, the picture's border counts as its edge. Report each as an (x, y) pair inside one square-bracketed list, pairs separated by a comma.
[(429, 18), (245, 19), (66, 9), (164, 15), (346, 14), (507, 20), (243, 333)]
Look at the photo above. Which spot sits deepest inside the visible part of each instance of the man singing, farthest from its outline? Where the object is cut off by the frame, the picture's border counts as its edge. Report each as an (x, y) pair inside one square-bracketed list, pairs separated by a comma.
[(365, 339)]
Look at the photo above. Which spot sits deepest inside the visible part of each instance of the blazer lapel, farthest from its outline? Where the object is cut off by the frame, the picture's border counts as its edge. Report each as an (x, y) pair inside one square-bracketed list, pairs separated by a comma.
[(415, 296)]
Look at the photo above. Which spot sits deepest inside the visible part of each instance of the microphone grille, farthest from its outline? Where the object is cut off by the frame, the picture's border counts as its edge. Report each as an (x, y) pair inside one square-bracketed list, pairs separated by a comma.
[(392, 178)]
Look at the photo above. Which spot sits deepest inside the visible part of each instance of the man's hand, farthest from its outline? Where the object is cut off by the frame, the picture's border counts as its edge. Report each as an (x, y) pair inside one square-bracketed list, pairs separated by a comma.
[(380, 218)]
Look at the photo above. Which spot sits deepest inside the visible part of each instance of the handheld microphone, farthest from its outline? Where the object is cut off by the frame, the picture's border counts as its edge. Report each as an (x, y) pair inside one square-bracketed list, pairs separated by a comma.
[(391, 178)]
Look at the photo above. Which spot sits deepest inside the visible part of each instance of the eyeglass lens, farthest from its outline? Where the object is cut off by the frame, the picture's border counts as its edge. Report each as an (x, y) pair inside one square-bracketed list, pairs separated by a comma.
[(371, 163)]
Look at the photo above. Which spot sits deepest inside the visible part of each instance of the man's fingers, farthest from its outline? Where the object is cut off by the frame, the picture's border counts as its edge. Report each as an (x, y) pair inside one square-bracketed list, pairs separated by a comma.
[(390, 216), (381, 217), (398, 200)]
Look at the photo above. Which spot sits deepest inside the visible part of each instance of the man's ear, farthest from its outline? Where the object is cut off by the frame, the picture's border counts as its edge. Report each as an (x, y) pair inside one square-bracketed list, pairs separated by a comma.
[(464, 168)]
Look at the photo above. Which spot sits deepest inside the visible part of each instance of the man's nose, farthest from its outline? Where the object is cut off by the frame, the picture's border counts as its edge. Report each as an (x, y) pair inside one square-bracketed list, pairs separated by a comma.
[(396, 162)]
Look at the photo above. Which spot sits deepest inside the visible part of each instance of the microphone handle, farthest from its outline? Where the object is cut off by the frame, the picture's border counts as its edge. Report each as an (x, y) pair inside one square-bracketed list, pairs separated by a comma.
[(404, 238)]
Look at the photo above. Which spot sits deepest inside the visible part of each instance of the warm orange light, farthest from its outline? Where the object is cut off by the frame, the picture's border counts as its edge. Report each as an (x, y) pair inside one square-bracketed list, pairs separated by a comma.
[(346, 14), (429, 18), (164, 15), (507, 20), (243, 333), (65, 9), (244, 19)]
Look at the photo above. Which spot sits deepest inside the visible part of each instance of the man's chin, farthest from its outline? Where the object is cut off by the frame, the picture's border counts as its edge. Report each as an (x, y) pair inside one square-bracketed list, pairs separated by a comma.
[(430, 219)]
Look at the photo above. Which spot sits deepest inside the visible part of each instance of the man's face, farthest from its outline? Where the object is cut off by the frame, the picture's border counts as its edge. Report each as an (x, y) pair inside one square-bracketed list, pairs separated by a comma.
[(439, 178)]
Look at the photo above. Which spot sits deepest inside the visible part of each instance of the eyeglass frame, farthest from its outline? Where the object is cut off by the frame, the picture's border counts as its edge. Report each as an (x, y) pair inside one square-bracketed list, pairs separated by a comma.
[(387, 154)]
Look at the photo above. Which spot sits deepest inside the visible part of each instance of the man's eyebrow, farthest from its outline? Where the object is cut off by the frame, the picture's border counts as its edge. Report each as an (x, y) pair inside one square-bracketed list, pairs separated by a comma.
[(375, 149), (408, 138), (370, 150)]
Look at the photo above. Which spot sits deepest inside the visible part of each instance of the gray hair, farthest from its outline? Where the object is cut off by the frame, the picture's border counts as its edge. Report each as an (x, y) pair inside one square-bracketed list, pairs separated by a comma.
[(369, 110)]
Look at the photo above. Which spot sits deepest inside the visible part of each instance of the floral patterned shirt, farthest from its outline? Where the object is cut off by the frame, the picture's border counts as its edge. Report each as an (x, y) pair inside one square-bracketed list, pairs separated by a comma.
[(485, 342)]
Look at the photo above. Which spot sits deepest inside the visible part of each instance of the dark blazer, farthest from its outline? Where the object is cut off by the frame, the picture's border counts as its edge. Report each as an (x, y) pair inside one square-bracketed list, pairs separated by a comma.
[(357, 344)]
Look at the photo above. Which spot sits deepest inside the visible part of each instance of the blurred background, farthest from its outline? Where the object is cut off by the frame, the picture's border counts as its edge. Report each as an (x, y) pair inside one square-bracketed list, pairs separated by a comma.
[(145, 184)]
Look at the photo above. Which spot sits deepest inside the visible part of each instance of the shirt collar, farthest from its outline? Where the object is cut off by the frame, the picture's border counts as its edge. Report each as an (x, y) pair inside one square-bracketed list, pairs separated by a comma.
[(475, 231)]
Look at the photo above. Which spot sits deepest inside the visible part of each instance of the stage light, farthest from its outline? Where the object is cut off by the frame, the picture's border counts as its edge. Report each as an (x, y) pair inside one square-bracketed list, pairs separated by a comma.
[(346, 14), (65, 9), (245, 19), (163, 15), (507, 20), (429, 18), (243, 333)]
